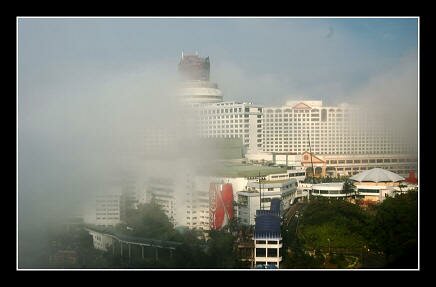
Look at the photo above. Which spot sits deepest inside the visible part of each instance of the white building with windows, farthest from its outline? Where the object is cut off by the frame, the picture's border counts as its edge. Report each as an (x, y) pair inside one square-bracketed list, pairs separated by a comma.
[(338, 135), (231, 120), (249, 200), (339, 129), (183, 198), (106, 210), (329, 189)]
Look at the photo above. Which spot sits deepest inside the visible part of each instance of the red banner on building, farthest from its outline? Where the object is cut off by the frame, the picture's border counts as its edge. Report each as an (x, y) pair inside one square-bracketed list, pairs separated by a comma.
[(220, 204)]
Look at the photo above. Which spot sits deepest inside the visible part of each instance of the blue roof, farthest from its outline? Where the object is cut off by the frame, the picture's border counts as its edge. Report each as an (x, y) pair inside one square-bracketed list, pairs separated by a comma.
[(275, 206), (274, 209), (268, 221), (267, 226)]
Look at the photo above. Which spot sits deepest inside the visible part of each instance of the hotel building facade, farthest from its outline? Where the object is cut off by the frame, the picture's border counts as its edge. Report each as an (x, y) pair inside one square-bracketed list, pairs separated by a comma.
[(346, 139)]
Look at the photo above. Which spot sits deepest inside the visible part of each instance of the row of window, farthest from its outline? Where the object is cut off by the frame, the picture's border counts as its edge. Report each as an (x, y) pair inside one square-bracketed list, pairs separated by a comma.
[(269, 242), (268, 252), (385, 160), (333, 152), (221, 111), (306, 111)]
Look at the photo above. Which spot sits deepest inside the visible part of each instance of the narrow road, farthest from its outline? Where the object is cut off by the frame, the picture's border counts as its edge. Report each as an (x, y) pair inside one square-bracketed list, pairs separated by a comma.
[(290, 213)]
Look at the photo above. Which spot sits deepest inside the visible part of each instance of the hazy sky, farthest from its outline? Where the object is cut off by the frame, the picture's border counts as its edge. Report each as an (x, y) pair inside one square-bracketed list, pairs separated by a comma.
[(264, 60)]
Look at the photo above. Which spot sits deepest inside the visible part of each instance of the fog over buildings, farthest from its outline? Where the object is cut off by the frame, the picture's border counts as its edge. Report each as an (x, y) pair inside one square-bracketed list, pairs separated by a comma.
[(92, 92)]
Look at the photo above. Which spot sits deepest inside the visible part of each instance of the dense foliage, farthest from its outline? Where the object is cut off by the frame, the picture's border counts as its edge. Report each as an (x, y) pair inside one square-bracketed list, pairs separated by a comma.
[(339, 234), (148, 221), (338, 221), (327, 233), (396, 230)]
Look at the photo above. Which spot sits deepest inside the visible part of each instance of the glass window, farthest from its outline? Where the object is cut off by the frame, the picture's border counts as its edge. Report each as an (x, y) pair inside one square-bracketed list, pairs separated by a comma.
[(261, 252), (272, 252)]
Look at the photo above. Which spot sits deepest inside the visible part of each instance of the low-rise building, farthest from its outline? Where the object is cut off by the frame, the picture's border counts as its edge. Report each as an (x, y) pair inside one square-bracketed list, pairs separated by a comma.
[(351, 164), (329, 189), (249, 201), (376, 184), (267, 237)]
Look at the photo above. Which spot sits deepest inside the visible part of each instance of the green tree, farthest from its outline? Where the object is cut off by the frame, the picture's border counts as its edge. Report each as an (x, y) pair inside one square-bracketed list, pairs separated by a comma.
[(148, 221), (220, 249), (338, 223), (396, 230), (349, 188), (191, 254)]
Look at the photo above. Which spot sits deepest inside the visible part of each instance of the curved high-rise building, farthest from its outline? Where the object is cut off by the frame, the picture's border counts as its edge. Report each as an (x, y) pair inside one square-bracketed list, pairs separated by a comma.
[(195, 85)]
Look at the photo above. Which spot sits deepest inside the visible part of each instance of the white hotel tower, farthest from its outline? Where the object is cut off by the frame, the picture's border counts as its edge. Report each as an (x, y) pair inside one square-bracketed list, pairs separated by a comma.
[(213, 117)]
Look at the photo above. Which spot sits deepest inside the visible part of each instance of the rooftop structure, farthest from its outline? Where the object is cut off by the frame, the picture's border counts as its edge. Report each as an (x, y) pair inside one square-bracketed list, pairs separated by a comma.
[(377, 175), (194, 67), (376, 184), (196, 87), (267, 225)]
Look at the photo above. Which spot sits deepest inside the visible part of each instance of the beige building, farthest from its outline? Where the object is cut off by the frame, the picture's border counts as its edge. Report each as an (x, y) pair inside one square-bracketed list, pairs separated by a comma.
[(352, 164), (376, 184)]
